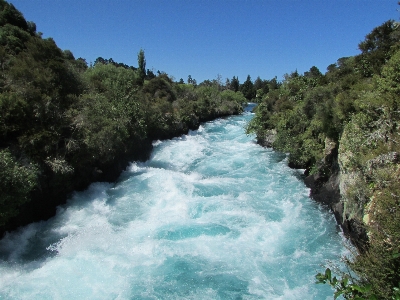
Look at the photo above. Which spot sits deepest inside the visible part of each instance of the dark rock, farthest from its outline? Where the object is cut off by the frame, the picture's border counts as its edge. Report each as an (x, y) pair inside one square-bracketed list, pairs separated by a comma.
[(355, 231), (325, 190)]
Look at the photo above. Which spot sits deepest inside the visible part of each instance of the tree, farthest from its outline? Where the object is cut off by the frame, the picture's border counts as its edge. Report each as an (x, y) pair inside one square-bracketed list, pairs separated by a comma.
[(67, 54), (150, 74), (248, 89), (100, 60), (376, 48), (273, 84), (314, 72), (10, 15), (234, 84), (258, 83), (190, 80), (141, 66)]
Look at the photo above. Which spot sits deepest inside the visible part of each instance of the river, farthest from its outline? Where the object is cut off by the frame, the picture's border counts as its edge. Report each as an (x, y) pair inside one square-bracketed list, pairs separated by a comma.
[(212, 215)]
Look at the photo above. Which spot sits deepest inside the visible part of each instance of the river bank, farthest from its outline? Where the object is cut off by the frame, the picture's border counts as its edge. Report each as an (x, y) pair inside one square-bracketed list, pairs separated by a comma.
[(324, 186), (44, 201)]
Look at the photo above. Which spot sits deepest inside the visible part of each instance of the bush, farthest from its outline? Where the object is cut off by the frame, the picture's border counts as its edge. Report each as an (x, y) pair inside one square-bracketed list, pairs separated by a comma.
[(17, 180)]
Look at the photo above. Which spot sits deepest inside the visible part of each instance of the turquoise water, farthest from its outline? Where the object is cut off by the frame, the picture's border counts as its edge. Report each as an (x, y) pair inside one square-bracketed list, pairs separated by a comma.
[(211, 215)]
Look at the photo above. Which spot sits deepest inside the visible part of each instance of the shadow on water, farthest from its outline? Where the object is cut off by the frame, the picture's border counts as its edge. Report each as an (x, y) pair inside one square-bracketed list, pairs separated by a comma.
[(30, 244)]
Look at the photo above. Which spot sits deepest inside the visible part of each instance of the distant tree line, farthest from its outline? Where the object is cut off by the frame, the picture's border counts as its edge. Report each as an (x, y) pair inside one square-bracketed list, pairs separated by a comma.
[(252, 91)]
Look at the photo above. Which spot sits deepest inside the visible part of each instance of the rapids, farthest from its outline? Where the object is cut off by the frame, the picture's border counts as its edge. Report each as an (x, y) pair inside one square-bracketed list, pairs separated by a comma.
[(212, 215)]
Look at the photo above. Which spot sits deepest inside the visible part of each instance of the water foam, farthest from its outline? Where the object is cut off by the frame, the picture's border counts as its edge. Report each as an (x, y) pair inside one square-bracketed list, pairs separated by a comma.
[(211, 215)]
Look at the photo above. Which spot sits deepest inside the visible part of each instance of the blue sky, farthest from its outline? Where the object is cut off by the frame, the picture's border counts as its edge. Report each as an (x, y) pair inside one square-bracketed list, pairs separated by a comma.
[(205, 38)]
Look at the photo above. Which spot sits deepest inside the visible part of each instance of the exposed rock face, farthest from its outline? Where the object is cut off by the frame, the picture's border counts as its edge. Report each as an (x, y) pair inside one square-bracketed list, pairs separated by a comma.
[(329, 185), (333, 179), (268, 139), (382, 161), (324, 183)]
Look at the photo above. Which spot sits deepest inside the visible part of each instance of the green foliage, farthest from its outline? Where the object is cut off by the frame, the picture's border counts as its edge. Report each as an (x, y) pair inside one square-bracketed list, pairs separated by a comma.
[(10, 15), (389, 81), (141, 66), (234, 85), (13, 38), (377, 47), (304, 109), (247, 88), (114, 82), (103, 126), (229, 97), (107, 117), (160, 88), (17, 180), (345, 286)]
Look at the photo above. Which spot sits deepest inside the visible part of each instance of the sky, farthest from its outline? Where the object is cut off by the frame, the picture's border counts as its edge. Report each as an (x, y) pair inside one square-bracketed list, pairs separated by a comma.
[(208, 39)]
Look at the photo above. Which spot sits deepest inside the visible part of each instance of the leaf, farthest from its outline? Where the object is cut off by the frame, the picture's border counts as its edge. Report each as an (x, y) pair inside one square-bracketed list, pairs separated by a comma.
[(395, 255), (328, 274), (345, 280), (337, 294), (362, 289), (334, 281), (321, 278)]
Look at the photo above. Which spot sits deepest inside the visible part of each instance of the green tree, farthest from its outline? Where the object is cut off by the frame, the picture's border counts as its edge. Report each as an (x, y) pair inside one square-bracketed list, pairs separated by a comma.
[(10, 15), (258, 83), (377, 47), (248, 89), (234, 84), (141, 66), (314, 72)]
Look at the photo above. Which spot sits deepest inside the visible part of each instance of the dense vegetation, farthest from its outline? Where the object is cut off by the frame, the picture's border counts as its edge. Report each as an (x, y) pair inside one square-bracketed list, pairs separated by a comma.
[(64, 124), (354, 106)]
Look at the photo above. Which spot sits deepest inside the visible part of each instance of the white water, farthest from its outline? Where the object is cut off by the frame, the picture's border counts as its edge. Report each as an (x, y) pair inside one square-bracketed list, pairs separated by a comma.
[(211, 215)]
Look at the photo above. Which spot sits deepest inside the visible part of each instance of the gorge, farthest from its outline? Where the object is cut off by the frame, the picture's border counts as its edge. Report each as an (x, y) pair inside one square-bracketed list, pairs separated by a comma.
[(210, 215)]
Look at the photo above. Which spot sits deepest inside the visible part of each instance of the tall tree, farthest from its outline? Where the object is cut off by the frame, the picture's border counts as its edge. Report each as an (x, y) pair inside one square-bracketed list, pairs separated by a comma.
[(248, 89), (141, 66), (235, 84), (258, 83)]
